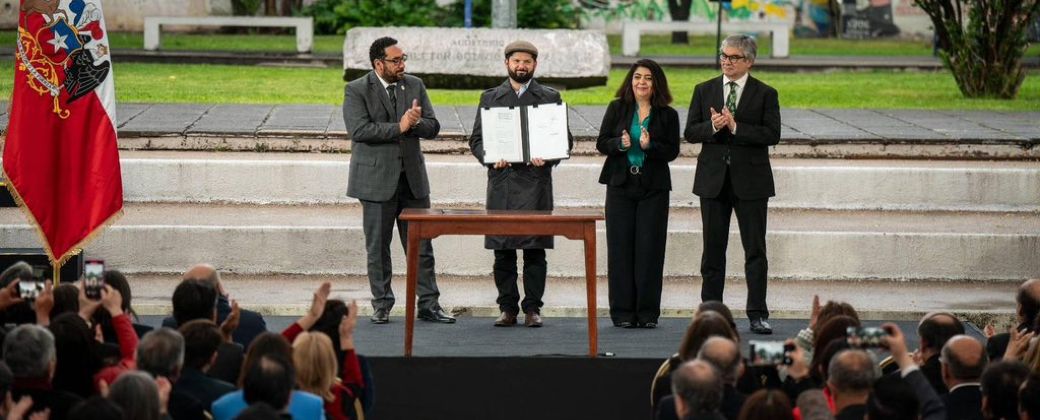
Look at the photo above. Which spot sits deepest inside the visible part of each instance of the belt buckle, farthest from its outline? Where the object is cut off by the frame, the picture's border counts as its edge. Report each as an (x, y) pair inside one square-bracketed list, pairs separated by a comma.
[(634, 170)]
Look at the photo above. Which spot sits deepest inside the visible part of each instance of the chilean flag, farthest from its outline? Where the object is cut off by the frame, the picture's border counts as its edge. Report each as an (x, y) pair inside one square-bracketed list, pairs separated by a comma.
[(60, 155)]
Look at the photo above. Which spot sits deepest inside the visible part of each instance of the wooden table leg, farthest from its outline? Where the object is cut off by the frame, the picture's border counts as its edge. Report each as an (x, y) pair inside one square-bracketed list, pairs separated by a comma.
[(590, 286), (414, 232)]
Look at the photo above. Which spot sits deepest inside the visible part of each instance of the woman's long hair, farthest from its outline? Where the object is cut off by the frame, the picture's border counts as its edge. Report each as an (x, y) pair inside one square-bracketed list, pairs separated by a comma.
[(661, 96)]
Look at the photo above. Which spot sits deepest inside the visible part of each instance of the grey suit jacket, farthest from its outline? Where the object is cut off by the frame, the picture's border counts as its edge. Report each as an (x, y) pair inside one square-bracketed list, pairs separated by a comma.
[(378, 151)]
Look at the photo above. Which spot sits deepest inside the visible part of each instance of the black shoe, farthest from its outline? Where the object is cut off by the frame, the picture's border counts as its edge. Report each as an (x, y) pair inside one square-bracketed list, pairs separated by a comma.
[(624, 324), (436, 315), (648, 325), (381, 316), (760, 326)]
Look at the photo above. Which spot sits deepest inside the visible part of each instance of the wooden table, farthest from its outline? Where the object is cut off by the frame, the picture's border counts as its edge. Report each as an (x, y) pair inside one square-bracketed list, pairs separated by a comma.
[(431, 223)]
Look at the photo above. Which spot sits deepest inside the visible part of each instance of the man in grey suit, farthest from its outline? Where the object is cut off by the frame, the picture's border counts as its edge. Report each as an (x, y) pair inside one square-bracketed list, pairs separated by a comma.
[(386, 112)]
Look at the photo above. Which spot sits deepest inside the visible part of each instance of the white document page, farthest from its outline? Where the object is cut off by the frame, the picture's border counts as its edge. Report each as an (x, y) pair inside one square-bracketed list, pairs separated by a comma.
[(503, 139), (547, 131)]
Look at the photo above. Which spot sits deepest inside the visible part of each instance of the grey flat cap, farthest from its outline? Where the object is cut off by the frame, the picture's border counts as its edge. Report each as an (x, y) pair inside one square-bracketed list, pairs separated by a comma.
[(521, 46)]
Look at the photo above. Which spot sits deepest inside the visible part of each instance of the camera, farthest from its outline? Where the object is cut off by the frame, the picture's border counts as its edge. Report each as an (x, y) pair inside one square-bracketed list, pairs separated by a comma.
[(770, 353), (93, 278), (30, 289), (864, 337)]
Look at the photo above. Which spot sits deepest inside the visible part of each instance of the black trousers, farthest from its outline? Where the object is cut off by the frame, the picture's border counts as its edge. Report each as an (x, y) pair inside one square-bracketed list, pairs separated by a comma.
[(534, 280), (751, 218), (637, 231)]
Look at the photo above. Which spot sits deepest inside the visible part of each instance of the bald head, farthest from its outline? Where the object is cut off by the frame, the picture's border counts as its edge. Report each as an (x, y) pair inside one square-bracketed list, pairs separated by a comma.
[(852, 372), (697, 388), (963, 359), (724, 355), (935, 329)]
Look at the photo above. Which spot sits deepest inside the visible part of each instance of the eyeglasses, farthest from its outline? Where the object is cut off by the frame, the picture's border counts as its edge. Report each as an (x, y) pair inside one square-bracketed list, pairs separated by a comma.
[(397, 61), (731, 58)]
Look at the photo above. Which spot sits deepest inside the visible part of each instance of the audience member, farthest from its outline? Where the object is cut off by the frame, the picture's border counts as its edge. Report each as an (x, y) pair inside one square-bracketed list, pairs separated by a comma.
[(202, 338), (814, 405), (118, 281), (1027, 313), (303, 405), (931, 407), (29, 352), (66, 299), (835, 329), (193, 299), (270, 380), (697, 389), (963, 359), (892, 398), (140, 396), (161, 354), (806, 338), (97, 408), (19, 311), (1000, 385), (262, 411), (767, 404), (723, 355), (705, 325), (250, 323), (721, 309), (315, 359), (1029, 398), (850, 376), (933, 331)]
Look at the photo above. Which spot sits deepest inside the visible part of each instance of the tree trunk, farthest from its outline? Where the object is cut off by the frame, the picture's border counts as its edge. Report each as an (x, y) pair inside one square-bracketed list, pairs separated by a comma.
[(680, 11), (270, 8), (985, 53)]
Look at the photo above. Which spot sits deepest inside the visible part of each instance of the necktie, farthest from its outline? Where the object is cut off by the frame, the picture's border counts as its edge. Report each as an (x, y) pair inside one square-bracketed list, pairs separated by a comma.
[(390, 90), (731, 99)]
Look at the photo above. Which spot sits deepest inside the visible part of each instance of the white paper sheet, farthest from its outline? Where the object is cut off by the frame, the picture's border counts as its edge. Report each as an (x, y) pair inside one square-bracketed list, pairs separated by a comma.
[(503, 139), (547, 131)]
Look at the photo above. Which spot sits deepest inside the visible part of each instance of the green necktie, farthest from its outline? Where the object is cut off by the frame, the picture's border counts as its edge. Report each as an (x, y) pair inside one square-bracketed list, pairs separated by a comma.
[(731, 99)]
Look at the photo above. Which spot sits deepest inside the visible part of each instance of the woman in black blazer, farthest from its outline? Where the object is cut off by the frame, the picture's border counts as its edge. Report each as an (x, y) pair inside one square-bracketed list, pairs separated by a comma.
[(639, 135)]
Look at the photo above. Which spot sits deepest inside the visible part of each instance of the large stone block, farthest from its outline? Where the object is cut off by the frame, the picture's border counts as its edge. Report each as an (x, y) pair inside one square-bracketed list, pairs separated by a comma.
[(473, 58)]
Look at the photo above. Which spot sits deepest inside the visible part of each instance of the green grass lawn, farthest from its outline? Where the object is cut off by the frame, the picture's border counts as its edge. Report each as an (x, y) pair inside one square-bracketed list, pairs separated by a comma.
[(172, 83), (652, 45)]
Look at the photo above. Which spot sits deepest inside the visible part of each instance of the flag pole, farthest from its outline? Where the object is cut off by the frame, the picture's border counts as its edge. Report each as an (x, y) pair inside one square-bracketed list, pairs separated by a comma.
[(57, 273)]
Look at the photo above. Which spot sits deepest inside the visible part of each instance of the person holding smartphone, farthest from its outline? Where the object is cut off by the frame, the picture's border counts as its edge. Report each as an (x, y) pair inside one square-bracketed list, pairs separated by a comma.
[(639, 135)]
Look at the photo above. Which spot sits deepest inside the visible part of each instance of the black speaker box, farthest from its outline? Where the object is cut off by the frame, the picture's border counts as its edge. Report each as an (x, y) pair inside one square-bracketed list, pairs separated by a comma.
[(6, 200), (37, 258)]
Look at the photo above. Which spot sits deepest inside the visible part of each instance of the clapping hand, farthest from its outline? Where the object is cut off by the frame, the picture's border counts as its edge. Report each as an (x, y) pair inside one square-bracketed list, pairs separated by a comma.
[(230, 324), (411, 117), (731, 122), (317, 306), (644, 139), (718, 121), (626, 140), (347, 326)]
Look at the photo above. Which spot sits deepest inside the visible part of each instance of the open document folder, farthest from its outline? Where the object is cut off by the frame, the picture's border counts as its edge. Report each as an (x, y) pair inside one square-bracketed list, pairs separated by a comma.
[(519, 134)]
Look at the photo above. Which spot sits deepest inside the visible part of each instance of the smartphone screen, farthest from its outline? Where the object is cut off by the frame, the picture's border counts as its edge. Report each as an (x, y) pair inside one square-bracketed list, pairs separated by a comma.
[(93, 281)]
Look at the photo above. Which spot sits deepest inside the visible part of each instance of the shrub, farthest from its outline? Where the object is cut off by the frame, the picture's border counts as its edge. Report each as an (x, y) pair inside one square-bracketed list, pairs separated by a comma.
[(337, 16)]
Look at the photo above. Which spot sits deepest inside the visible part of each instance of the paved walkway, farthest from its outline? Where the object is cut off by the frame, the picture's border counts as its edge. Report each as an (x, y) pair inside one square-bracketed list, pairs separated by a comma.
[(816, 126)]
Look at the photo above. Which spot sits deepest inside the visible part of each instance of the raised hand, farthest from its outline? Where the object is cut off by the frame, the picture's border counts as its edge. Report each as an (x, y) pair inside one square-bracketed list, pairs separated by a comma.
[(347, 326), (1017, 345), (815, 312), (9, 295), (112, 301), (321, 295), (230, 324)]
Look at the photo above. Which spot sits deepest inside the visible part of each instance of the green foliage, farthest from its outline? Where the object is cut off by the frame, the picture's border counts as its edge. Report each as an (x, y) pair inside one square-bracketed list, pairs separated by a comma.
[(547, 14), (337, 16), (985, 52), (245, 7)]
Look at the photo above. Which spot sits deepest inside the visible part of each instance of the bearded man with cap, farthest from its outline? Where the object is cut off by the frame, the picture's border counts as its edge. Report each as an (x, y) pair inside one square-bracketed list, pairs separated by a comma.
[(518, 186)]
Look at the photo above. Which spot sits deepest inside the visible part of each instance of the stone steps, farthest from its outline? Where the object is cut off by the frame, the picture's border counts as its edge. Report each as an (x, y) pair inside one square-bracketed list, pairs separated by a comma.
[(321, 178), (804, 244)]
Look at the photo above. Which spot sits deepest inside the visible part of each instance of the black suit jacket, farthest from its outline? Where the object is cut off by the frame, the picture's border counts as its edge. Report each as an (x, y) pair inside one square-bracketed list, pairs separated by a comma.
[(932, 370), (664, 145), (250, 324), (964, 403), (201, 387), (732, 402), (758, 126)]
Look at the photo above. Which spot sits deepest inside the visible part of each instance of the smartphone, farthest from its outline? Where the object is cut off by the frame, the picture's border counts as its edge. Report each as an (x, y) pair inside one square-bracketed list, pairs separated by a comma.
[(864, 337), (770, 353), (93, 278), (30, 289)]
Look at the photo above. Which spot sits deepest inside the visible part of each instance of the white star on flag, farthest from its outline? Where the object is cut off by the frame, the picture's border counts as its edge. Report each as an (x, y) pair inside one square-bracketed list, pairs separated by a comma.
[(58, 42)]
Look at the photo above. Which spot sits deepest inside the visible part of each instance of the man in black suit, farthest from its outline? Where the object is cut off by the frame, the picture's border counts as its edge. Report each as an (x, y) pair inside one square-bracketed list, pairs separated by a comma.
[(736, 117), (250, 323), (1000, 385), (202, 338), (724, 355), (963, 359), (1027, 312), (931, 407), (934, 330)]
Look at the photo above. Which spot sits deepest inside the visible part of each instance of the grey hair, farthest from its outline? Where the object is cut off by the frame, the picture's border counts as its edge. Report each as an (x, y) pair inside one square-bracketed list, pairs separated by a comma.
[(137, 394), (161, 352), (21, 270), (745, 43), (855, 375), (724, 355), (699, 385), (29, 351)]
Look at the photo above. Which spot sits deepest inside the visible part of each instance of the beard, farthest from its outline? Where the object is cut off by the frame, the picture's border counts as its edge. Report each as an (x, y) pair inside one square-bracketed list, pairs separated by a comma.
[(521, 78), (392, 76)]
